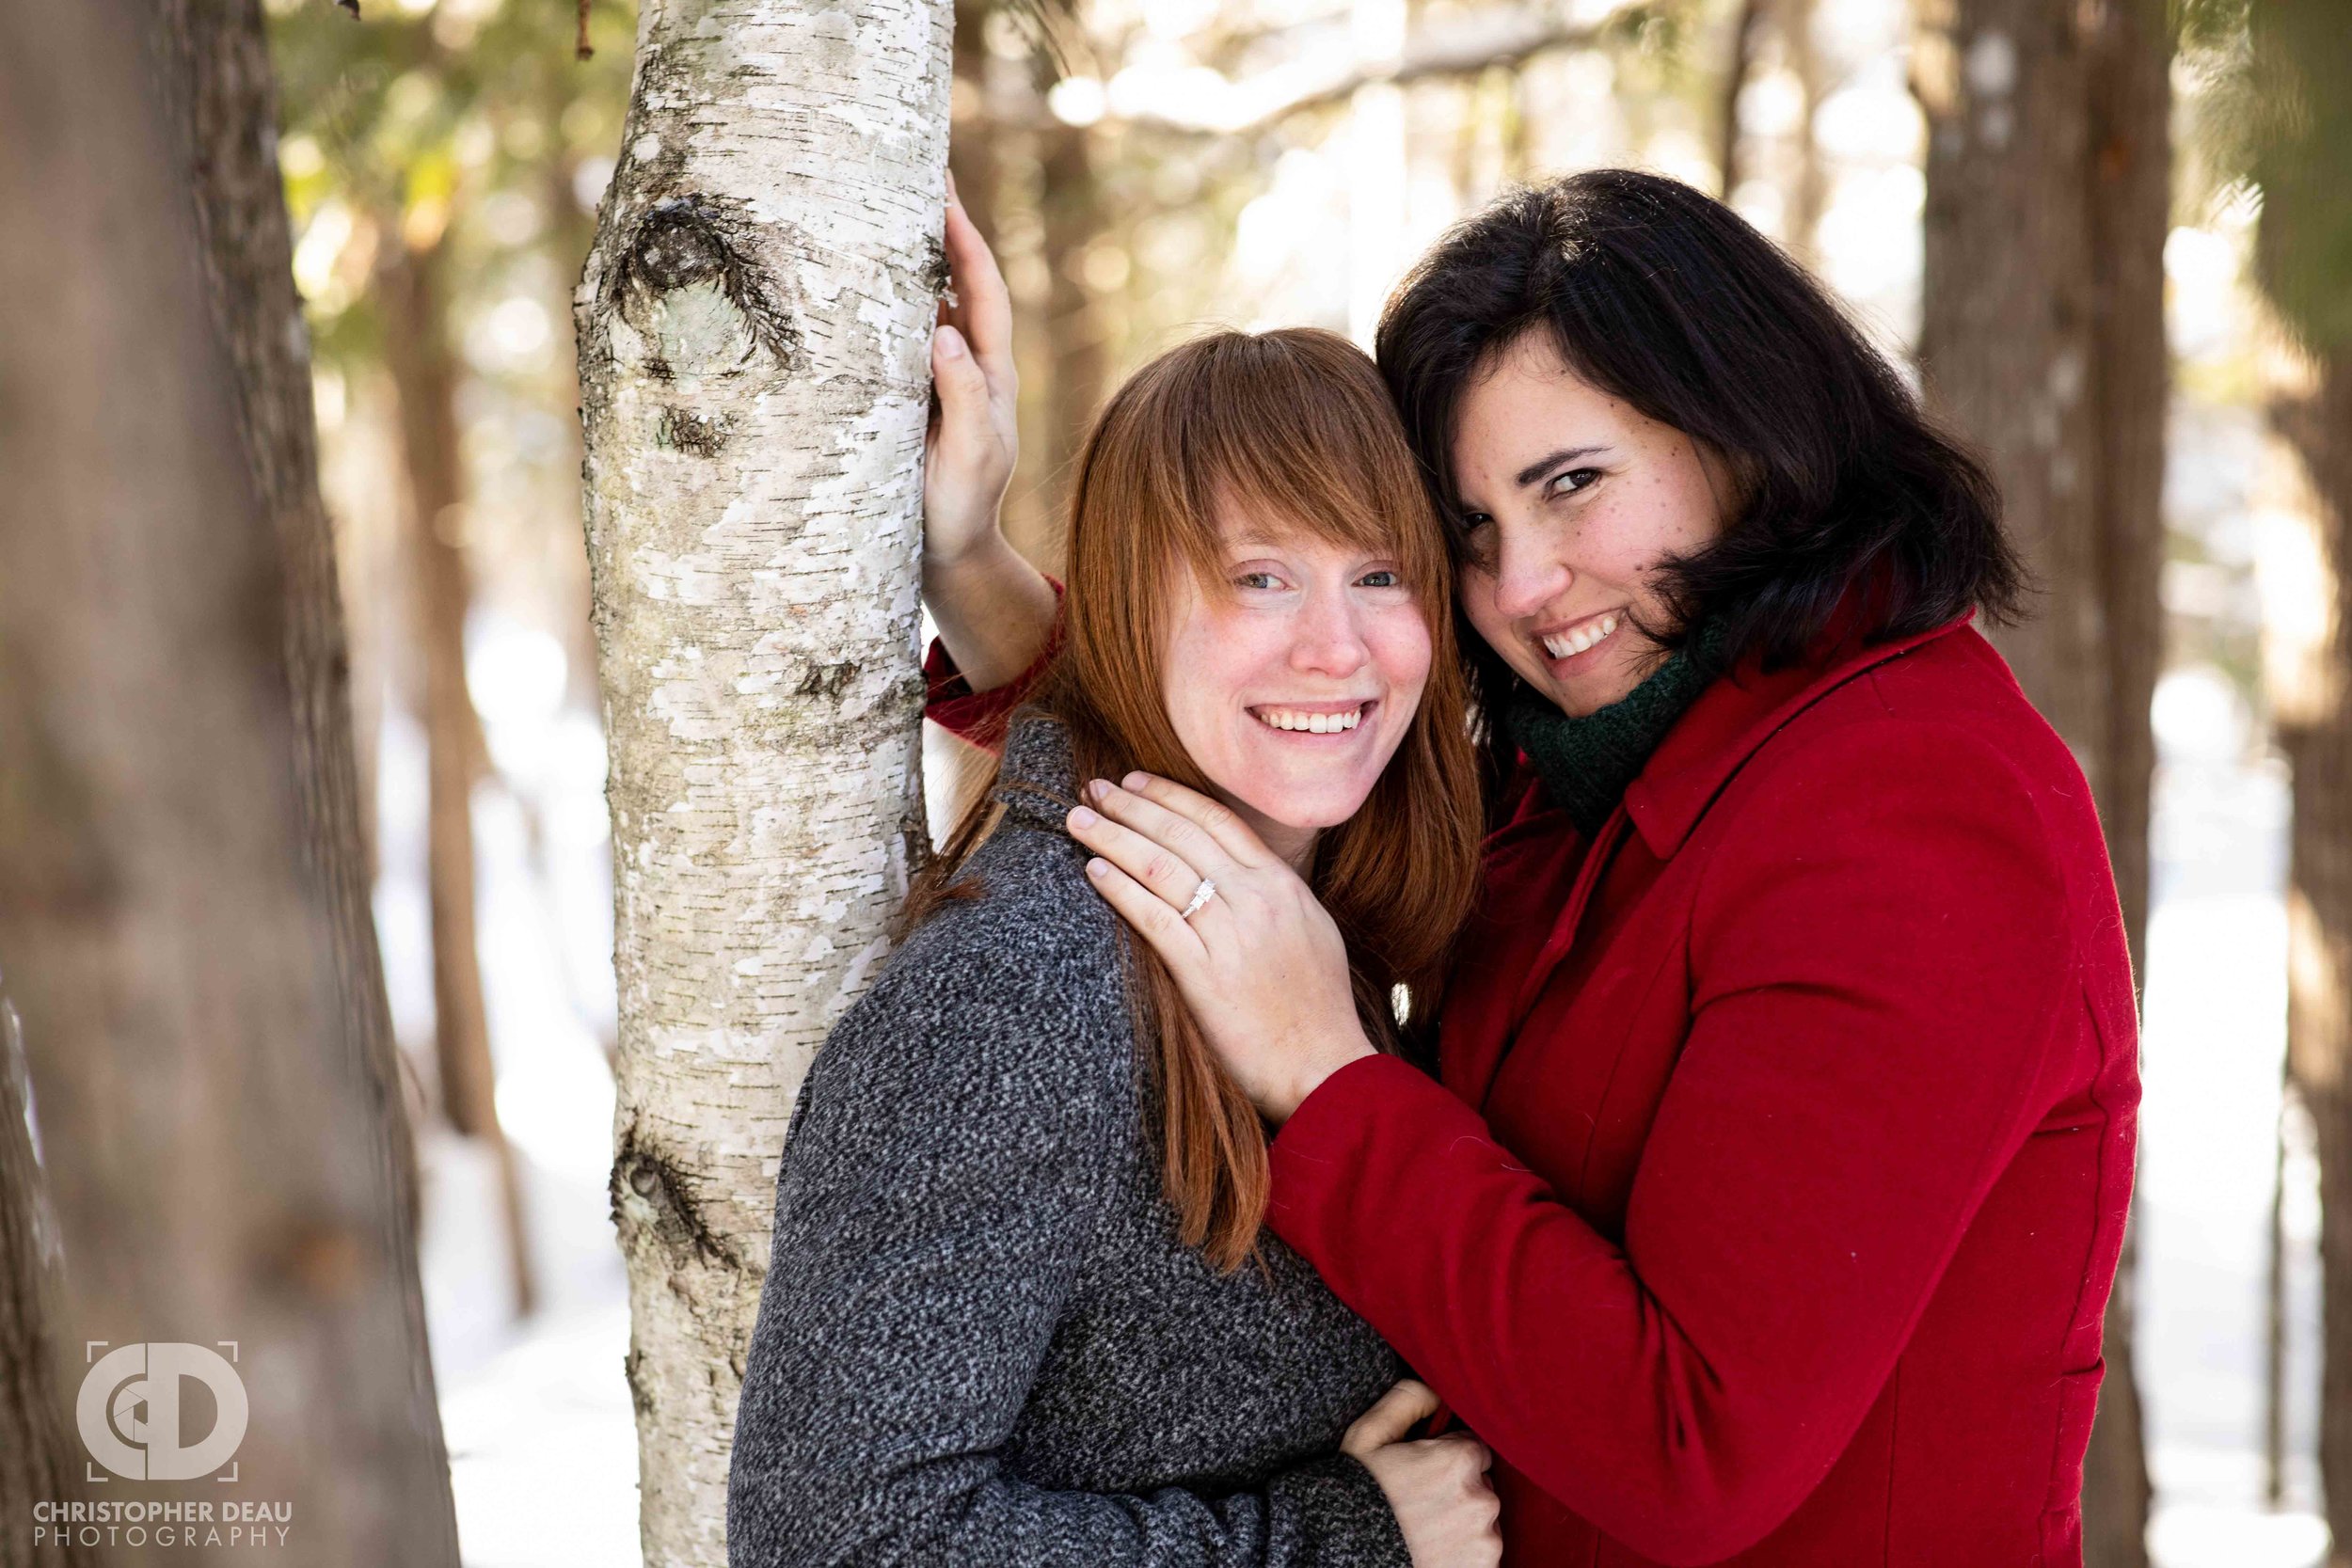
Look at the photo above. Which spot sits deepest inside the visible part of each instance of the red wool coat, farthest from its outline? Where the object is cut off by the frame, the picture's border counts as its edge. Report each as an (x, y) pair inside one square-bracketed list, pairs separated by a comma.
[(1767, 1208)]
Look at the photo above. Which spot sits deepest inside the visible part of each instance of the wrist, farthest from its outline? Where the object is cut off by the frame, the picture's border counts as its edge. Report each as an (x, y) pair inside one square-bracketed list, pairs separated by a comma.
[(1326, 1057), (983, 553)]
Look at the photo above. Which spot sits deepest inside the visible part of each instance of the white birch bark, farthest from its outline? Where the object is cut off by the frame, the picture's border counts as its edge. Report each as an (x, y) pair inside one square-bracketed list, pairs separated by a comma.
[(753, 325)]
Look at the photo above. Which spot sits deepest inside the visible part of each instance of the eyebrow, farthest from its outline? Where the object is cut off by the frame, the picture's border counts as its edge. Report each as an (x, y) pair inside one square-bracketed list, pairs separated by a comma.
[(1543, 465)]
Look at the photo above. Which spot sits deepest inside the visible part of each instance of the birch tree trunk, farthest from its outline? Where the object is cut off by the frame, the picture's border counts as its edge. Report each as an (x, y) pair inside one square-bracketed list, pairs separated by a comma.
[(220, 1129), (754, 322), (2049, 185)]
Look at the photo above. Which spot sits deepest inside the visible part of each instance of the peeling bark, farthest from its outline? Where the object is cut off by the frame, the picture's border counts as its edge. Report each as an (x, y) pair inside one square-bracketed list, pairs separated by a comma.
[(2049, 181), (753, 322)]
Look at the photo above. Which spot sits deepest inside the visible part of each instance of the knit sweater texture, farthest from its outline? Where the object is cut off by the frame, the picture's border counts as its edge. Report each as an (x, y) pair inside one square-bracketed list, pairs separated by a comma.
[(980, 1342), (1586, 763)]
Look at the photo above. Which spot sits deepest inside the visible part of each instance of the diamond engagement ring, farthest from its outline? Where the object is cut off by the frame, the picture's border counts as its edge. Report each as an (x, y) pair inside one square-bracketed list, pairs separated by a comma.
[(1202, 895)]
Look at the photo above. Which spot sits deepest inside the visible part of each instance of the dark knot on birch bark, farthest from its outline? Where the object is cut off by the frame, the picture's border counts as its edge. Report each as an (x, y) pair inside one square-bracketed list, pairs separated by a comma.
[(652, 1196), (684, 241)]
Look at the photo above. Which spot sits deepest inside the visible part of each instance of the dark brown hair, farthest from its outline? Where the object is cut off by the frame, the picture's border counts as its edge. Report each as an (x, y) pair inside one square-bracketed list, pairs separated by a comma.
[(1292, 425), (1660, 295)]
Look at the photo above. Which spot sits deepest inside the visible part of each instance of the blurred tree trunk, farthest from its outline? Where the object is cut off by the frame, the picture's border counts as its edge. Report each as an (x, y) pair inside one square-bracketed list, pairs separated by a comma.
[(425, 376), (40, 1459), (218, 1132), (1747, 32), (2298, 129), (1808, 196), (1071, 198), (755, 323), (1777, 32), (2316, 732), (972, 155), (2275, 1309), (2049, 180), (213, 59)]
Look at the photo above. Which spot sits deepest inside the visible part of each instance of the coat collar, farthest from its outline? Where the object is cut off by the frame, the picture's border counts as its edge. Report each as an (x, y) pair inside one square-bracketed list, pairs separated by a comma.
[(1035, 774), (1735, 716)]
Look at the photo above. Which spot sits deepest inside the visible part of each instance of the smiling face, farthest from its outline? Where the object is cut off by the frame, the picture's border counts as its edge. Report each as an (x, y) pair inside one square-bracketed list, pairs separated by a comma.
[(1572, 497), (1292, 678)]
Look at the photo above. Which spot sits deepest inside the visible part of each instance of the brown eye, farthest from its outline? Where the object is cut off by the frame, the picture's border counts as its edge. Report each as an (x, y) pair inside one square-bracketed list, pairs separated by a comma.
[(1477, 533)]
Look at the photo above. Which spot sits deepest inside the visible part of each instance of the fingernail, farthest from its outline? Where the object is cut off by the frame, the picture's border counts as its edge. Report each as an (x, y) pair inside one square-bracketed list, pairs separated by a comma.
[(1134, 781), (1098, 868), (1099, 790), (1083, 818), (950, 343)]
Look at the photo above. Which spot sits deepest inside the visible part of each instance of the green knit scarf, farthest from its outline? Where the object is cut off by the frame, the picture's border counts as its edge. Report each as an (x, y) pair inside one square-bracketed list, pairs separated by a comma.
[(1586, 763)]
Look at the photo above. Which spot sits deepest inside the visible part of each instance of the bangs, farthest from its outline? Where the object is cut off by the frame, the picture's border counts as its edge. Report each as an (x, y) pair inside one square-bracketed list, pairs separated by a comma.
[(1290, 432)]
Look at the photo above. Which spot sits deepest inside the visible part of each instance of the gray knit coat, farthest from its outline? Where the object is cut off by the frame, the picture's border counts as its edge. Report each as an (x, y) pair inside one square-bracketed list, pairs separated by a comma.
[(981, 1344)]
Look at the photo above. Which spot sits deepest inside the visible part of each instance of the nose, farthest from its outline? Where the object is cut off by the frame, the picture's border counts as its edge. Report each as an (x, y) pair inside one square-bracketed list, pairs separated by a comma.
[(1326, 639), (1528, 573)]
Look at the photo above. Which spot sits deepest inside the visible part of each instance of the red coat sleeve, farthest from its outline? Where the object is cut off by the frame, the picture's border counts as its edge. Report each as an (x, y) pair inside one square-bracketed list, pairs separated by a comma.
[(980, 716), (1878, 953)]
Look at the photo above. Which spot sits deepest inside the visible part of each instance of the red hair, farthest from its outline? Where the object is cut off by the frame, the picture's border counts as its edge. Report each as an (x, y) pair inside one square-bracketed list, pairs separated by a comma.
[(1294, 425)]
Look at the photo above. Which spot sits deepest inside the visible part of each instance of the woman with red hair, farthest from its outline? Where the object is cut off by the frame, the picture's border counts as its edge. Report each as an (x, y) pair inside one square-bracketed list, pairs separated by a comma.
[(1021, 1310)]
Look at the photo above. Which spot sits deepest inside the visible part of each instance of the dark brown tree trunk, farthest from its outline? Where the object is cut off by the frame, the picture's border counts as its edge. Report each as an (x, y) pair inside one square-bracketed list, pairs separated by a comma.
[(2316, 731), (38, 1451), (2049, 178), (424, 373), (214, 1134), (213, 60)]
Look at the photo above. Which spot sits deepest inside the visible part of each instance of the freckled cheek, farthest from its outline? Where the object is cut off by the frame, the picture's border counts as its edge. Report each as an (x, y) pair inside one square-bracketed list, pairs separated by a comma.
[(1399, 643), (1619, 541)]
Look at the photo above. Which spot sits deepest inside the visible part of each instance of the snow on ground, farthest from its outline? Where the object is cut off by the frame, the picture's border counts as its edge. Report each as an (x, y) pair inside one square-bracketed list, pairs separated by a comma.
[(542, 1447), (2213, 1043)]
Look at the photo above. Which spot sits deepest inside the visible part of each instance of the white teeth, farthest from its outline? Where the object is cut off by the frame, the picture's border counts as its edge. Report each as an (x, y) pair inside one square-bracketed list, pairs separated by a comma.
[(1575, 642), (1313, 723)]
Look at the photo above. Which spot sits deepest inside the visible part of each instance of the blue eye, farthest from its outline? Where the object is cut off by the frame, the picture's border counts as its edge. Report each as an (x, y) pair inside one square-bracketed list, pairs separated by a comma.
[(1388, 578)]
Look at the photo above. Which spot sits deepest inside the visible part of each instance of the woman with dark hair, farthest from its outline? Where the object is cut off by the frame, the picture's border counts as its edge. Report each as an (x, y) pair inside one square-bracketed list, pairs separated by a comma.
[(1768, 1194), (1020, 1310)]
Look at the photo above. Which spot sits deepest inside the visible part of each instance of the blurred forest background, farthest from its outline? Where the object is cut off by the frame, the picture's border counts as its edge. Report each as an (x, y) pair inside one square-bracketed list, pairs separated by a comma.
[(1146, 168)]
